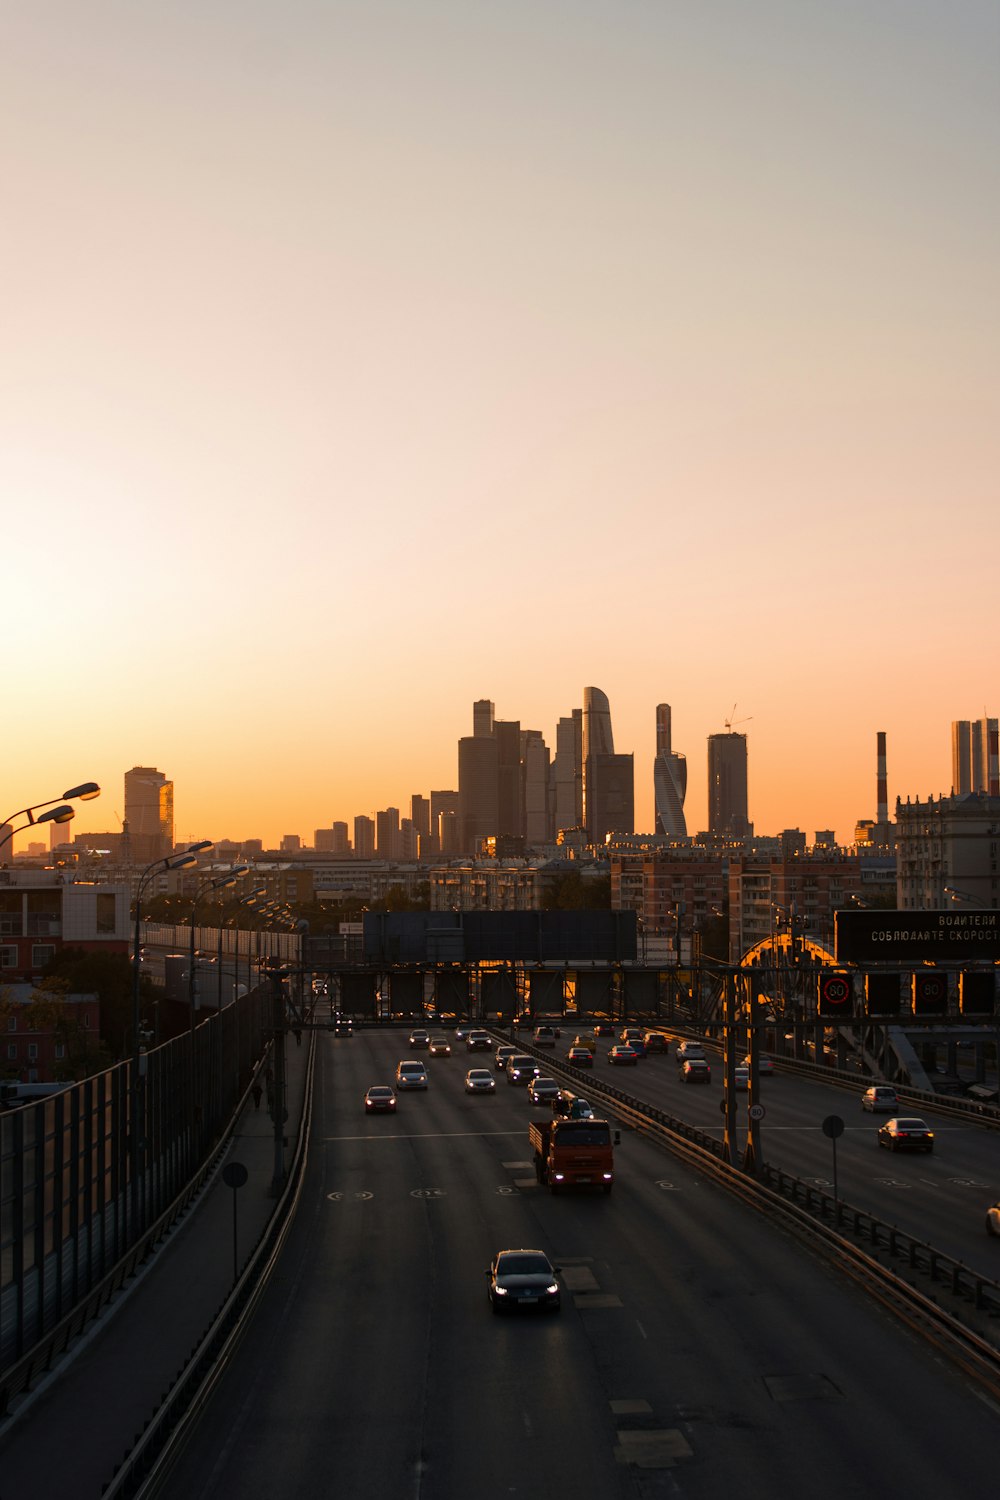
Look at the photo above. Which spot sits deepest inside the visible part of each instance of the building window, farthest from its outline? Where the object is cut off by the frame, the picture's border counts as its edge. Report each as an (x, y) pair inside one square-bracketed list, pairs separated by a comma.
[(60, 1049), (32, 1051), (11, 1023), (105, 913), (42, 954), (8, 956), (12, 1051)]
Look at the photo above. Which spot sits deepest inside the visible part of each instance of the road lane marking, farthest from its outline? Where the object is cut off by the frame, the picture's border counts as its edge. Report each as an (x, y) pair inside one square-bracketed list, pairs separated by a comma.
[(429, 1135)]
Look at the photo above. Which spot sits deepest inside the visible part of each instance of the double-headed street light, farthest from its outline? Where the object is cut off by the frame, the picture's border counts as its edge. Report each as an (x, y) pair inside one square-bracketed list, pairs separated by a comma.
[(57, 810), (959, 895)]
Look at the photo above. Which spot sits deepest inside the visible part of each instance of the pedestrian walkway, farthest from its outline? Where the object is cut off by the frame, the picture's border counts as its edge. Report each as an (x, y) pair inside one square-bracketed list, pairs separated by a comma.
[(63, 1440)]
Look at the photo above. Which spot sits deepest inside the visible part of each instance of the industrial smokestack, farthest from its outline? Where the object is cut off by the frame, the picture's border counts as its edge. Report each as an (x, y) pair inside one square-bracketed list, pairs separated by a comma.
[(882, 815), (993, 781)]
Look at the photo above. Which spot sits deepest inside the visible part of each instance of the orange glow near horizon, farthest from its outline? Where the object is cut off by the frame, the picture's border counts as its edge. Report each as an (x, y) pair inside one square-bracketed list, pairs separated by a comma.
[(341, 390)]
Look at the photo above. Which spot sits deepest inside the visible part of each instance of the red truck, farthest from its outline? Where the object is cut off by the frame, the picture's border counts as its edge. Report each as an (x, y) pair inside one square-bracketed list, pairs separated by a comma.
[(572, 1153)]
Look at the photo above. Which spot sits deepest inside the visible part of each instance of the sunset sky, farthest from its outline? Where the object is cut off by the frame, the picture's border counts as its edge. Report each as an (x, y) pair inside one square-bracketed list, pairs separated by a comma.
[(362, 358)]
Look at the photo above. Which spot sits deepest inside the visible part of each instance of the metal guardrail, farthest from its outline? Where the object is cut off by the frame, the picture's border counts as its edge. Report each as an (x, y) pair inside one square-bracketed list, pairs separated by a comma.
[(826, 1217)]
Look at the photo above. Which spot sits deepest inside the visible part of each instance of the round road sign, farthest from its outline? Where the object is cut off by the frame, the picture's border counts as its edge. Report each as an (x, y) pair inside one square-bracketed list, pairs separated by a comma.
[(756, 1111), (833, 1126)]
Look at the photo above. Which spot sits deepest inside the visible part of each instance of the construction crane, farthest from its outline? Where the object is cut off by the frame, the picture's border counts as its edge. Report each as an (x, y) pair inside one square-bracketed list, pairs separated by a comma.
[(732, 721)]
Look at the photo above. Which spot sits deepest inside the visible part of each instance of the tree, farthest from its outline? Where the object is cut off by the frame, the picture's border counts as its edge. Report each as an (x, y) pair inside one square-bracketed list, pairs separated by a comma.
[(109, 976), (48, 1012), (569, 890)]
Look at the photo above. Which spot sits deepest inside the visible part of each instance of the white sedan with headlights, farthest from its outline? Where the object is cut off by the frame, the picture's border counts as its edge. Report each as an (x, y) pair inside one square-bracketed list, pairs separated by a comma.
[(479, 1081)]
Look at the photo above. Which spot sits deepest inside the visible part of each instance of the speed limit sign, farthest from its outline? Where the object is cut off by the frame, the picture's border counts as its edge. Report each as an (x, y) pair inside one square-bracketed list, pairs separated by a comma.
[(756, 1111)]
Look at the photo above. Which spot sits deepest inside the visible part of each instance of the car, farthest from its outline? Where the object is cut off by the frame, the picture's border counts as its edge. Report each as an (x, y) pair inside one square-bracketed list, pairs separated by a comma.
[(502, 1053), (411, 1074), (993, 1219), (631, 1036), (880, 1098), (604, 1028), (523, 1278), (742, 1076), (906, 1133), (688, 1049), (521, 1068), (380, 1099), (623, 1054), (478, 1041), (655, 1041), (545, 1036), (440, 1046), (480, 1081), (343, 1026), (542, 1090), (580, 1057), (571, 1107), (418, 1039), (586, 1038), (765, 1067), (696, 1070), (462, 1030)]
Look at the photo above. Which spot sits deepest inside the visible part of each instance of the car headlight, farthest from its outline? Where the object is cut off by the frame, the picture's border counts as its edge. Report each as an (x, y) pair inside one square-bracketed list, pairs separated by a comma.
[(501, 1291), (552, 1289)]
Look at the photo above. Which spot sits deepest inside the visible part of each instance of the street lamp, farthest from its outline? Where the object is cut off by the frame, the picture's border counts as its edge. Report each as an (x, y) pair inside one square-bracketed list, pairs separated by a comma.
[(53, 814), (960, 895), (248, 900), (217, 883), (181, 861)]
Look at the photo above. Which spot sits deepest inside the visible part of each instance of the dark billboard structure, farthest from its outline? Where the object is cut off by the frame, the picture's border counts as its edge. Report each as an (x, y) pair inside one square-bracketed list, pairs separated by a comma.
[(898, 937), (500, 937)]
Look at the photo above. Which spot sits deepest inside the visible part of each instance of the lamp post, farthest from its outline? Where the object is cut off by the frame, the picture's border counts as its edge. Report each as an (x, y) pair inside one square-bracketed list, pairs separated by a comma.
[(959, 895), (216, 883), (181, 861), (61, 813)]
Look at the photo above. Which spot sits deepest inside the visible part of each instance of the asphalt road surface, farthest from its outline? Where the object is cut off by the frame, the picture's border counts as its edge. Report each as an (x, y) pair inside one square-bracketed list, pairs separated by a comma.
[(700, 1352)]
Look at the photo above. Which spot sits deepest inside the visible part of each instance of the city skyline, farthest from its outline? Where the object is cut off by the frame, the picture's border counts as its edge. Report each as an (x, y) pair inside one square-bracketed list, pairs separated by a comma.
[(94, 815), (362, 361)]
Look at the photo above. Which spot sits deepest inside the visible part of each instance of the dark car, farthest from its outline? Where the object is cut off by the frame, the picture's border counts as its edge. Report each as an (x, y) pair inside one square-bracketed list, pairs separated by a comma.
[(696, 1070), (521, 1069), (380, 1099), (542, 1090), (523, 1278), (623, 1054), (419, 1038), (604, 1028), (440, 1046), (656, 1042), (478, 1041), (580, 1057), (906, 1133)]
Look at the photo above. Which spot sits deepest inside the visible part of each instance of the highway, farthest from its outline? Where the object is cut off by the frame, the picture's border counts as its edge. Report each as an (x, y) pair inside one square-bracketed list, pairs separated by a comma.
[(699, 1348), (941, 1198)]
